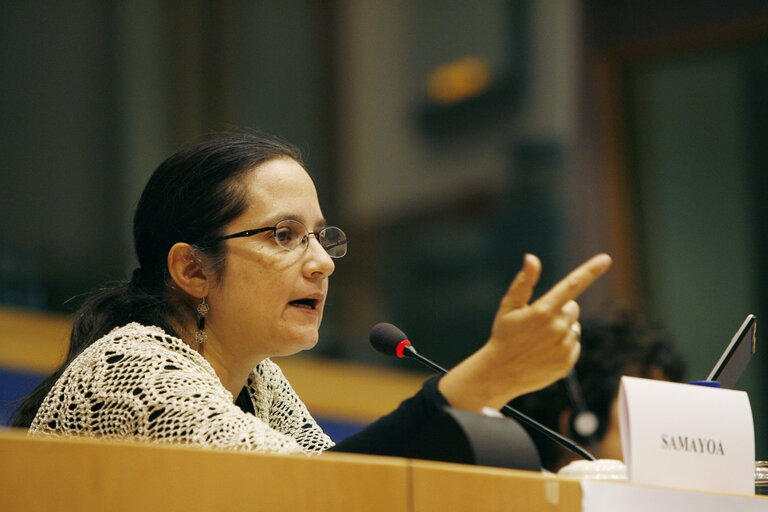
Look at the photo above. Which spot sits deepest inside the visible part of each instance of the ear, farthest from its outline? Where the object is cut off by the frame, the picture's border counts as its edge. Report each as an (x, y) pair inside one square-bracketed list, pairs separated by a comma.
[(186, 270)]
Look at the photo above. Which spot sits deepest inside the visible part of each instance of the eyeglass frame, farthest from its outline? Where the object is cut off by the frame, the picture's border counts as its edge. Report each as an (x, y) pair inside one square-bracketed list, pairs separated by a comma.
[(251, 232)]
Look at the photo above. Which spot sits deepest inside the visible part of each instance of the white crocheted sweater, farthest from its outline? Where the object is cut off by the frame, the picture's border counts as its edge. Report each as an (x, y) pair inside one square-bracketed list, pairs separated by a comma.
[(138, 382)]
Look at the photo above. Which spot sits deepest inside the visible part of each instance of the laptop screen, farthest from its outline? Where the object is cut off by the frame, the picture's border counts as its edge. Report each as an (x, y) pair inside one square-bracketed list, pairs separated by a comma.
[(736, 356)]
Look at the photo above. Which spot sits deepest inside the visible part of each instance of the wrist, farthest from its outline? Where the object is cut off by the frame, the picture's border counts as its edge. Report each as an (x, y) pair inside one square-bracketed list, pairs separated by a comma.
[(476, 383)]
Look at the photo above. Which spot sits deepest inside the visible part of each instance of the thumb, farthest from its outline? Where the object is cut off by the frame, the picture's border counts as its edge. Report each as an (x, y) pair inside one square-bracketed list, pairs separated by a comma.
[(521, 289)]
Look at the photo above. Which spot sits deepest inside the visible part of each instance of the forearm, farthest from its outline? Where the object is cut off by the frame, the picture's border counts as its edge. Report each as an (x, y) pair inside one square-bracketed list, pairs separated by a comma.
[(392, 434)]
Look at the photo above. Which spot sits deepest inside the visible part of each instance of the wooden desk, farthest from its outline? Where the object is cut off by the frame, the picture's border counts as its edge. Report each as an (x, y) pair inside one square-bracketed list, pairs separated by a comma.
[(80, 474)]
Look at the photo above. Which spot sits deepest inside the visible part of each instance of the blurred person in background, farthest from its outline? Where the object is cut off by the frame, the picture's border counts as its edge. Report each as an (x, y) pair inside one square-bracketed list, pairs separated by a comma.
[(621, 342)]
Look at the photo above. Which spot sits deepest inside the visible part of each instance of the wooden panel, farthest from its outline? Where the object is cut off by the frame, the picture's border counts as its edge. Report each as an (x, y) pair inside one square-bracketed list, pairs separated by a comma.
[(448, 487), (32, 340), (348, 391), (79, 474)]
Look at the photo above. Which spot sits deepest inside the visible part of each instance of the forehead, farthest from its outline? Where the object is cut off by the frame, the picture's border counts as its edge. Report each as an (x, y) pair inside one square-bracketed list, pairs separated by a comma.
[(279, 189)]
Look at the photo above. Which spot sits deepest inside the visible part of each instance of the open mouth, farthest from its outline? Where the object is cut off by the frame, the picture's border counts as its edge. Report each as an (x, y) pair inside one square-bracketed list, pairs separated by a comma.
[(306, 303)]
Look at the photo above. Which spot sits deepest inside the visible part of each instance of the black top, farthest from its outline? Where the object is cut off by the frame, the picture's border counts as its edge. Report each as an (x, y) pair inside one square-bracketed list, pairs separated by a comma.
[(391, 434)]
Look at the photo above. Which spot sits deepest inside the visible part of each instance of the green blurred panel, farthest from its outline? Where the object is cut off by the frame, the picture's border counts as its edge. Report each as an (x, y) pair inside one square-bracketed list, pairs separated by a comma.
[(693, 175)]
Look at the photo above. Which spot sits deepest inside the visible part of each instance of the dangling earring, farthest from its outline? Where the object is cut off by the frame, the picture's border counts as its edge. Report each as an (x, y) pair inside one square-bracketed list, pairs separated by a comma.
[(202, 311)]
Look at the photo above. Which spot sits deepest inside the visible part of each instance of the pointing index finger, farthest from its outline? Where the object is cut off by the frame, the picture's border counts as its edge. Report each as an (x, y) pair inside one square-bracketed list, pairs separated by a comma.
[(576, 282)]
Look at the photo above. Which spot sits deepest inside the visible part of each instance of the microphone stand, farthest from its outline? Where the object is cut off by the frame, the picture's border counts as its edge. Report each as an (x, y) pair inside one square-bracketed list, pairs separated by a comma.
[(563, 441)]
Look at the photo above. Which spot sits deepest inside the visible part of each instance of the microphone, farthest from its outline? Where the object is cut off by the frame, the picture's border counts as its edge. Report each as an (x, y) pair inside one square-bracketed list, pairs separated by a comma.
[(391, 341)]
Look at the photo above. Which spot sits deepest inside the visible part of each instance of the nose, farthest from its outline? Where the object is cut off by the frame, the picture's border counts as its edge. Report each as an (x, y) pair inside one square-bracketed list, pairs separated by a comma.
[(317, 263)]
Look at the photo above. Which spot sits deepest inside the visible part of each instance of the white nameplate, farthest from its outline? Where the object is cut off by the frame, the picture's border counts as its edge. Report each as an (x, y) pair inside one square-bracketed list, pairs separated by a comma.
[(687, 436)]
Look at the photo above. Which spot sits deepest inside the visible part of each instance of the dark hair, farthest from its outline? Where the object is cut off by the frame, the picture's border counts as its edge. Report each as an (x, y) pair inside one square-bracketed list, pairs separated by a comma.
[(620, 342), (189, 198)]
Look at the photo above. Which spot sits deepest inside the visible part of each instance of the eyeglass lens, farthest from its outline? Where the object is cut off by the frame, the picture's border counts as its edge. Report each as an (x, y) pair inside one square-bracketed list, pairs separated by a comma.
[(292, 235)]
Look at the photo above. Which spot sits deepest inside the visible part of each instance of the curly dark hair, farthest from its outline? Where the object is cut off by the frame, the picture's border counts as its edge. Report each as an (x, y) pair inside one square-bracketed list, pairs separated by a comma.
[(621, 342)]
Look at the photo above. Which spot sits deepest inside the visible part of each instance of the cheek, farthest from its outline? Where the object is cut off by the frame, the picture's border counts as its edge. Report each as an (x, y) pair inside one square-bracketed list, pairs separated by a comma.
[(259, 290), (250, 283)]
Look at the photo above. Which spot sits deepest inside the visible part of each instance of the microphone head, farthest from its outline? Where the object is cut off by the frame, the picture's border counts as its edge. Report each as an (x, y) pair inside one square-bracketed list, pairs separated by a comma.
[(388, 339)]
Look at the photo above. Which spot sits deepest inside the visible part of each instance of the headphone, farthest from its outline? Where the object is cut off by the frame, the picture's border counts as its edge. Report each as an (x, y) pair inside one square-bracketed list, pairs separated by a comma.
[(584, 423)]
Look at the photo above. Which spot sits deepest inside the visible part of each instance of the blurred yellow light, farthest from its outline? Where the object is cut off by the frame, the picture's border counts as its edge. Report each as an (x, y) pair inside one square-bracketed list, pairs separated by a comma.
[(459, 80)]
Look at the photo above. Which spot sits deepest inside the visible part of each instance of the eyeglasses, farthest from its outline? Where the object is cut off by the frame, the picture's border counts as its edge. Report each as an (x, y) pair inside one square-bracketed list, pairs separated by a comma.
[(292, 235)]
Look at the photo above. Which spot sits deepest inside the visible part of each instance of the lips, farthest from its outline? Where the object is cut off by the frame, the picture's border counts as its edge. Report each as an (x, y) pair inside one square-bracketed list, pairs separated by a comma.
[(311, 302), (304, 303)]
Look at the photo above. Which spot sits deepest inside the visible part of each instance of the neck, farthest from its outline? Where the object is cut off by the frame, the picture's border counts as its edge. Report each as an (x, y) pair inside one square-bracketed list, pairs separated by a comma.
[(232, 377), (232, 369)]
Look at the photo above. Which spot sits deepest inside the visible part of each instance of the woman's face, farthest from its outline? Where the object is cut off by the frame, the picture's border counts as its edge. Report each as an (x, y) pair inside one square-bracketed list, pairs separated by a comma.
[(253, 305)]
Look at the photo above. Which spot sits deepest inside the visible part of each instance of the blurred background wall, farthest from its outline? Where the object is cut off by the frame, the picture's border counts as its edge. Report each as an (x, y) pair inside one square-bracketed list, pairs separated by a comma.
[(448, 138)]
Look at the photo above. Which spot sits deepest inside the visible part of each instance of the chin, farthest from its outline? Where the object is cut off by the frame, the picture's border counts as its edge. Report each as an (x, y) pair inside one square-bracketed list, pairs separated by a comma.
[(300, 341), (309, 345)]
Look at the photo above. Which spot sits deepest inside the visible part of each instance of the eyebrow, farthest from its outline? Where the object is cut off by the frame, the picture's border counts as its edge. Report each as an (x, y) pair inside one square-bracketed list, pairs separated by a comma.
[(280, 217)]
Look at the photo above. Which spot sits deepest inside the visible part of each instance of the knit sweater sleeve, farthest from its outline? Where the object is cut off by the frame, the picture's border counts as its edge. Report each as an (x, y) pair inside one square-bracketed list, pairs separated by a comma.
[(139, 383)]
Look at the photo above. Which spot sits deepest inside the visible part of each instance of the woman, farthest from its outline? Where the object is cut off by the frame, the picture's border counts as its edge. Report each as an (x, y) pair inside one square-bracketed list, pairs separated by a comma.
[(235, 258)]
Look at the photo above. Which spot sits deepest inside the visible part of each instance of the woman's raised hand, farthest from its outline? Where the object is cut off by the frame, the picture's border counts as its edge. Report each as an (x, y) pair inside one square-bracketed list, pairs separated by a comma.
[(531, 345)]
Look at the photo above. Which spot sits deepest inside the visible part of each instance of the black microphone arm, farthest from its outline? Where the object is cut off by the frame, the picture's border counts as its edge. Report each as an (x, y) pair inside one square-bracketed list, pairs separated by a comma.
[(410, 351)]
